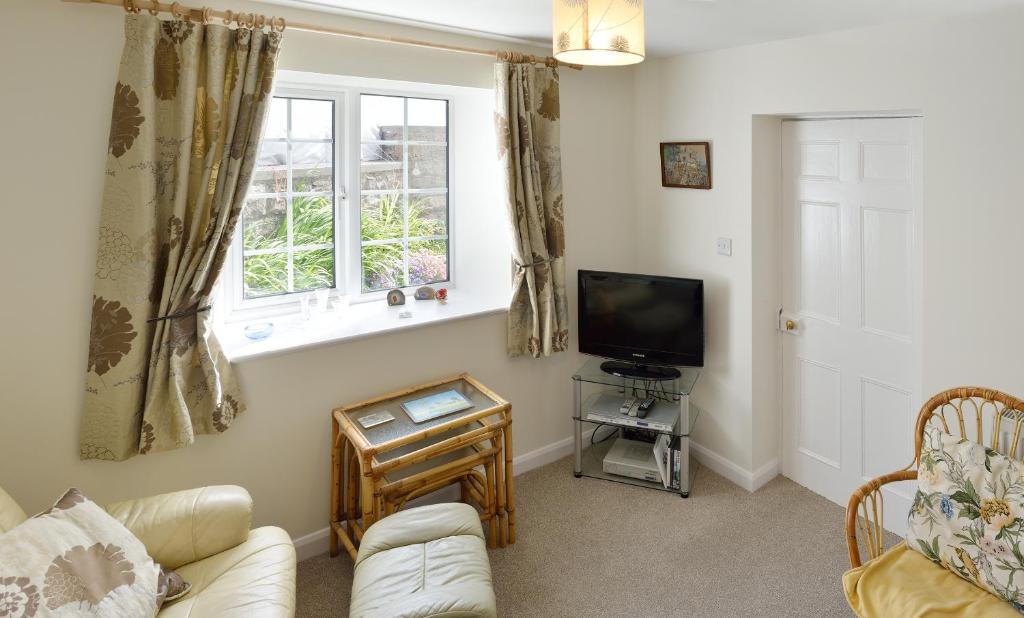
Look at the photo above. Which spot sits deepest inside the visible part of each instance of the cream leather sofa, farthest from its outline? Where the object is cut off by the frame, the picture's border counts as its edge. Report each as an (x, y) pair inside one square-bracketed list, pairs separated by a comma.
[(204, 535), (427, 561)]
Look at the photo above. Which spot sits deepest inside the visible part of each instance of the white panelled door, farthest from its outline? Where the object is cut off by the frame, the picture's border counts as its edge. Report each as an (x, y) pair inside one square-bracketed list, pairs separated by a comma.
[(851, 287)]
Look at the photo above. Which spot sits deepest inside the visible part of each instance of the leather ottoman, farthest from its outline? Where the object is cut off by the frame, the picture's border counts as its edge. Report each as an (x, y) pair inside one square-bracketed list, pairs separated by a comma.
[(426, 561)]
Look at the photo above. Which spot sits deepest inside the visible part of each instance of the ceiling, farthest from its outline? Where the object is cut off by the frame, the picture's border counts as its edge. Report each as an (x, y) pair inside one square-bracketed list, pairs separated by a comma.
[(673, 26)]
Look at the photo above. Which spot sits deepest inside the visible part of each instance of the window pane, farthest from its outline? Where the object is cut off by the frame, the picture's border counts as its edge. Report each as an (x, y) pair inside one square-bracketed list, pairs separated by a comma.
[(295, 253), (263, 223), (265, 275), (271, 174), (269, 179), (313, 220), (382, 267), (312, 119), (314, 270), (277, 121), (381, 216), (428, 262), (428, 120), (312, 167), (404, 191), (428, 215), (381, 167), (382, 118), (428, 167)]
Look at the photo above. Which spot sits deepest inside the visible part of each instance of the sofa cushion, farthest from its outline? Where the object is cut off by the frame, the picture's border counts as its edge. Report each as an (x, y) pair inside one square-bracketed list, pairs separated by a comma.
[(967, 513), (904, 584), (75, 558), (255, 578), (427, 561), (185, 526), (171, 587)]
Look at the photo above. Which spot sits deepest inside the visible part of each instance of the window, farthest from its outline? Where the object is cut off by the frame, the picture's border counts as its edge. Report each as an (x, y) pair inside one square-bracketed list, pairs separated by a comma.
[(288, 220), (403, 191), (300, 232)]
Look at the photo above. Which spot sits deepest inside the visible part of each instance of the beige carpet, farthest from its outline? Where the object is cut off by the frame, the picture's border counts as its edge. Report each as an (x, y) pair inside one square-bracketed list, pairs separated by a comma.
[(587, 547)]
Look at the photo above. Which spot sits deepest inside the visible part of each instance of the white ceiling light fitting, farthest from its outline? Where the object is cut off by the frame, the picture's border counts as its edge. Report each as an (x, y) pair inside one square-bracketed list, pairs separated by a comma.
[(598, 32)]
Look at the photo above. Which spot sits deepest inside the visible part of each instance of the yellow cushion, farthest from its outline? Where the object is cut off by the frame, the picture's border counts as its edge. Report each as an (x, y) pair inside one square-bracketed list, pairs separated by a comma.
[(903, 583)]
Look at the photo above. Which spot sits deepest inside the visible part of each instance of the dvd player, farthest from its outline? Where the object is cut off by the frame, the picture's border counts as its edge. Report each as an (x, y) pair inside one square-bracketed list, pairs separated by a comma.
[(632, 459)]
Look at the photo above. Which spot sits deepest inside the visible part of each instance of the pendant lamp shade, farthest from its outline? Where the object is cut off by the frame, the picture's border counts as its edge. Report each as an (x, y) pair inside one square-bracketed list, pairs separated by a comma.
[(599, 32)]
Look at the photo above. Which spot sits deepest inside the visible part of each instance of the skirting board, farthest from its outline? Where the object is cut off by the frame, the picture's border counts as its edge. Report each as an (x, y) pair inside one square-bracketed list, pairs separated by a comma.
[(751, 481), (316, 543)]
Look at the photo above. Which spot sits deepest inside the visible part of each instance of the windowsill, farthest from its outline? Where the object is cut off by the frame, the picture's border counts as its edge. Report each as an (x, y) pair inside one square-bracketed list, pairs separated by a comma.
[(355, 322)]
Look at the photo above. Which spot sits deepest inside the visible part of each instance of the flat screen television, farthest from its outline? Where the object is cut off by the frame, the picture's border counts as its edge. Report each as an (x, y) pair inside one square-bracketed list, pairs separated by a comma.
[(644, 323)]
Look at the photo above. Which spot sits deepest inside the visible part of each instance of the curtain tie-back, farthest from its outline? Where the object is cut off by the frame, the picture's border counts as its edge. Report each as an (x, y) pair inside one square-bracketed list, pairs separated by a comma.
[(180, 314), (521, 266)]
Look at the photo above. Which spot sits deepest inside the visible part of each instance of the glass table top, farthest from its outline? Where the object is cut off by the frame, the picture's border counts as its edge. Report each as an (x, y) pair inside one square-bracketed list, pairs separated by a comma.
[(592, 373), (404, 426)]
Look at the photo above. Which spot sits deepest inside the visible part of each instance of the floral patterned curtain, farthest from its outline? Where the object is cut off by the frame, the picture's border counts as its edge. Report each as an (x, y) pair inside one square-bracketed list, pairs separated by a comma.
[(189, 108), (527, 121)]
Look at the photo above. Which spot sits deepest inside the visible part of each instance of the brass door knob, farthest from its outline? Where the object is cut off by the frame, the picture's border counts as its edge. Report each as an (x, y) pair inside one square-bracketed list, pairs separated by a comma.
[(790, 325)]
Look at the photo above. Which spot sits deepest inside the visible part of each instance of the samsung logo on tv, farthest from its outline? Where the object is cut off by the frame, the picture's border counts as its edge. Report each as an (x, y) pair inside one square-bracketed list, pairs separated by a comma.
[(639, 355)]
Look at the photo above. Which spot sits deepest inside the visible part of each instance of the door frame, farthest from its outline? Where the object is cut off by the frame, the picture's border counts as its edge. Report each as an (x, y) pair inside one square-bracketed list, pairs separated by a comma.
[(917, 270)]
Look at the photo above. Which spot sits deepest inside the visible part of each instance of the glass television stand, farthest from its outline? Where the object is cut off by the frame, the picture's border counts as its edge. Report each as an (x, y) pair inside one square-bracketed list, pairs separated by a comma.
[(598, 421)]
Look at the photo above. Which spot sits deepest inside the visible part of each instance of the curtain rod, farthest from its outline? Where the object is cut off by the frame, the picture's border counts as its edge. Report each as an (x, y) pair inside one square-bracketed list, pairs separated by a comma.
[(253, 19)]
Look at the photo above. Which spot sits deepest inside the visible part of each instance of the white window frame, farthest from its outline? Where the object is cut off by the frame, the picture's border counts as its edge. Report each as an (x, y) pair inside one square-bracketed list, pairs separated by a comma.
[(234, 307)]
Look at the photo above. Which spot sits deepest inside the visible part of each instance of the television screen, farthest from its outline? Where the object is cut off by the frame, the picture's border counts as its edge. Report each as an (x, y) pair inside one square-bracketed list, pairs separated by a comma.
[(641, 318)]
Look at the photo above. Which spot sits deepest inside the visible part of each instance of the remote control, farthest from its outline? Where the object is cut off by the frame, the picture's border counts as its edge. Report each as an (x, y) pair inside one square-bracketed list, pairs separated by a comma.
[(627, 405), (645, 407)]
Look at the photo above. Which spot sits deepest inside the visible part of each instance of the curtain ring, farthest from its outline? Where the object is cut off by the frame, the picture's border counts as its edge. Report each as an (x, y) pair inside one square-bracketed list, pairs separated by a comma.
[(228, 16), (129, 7), (207, 15), (176, 10), (277, 24), (154, 8), (261, 21)]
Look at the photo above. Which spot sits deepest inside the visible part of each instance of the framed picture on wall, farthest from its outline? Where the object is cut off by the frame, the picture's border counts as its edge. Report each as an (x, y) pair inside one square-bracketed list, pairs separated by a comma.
[(686, 165)]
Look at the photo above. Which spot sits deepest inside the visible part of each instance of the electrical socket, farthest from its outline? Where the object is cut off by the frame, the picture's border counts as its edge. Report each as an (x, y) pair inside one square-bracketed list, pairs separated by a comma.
[(724, 246)]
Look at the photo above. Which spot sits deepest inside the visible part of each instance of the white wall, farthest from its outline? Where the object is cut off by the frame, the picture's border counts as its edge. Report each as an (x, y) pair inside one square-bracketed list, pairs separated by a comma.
[(966, 75), (58, 75)]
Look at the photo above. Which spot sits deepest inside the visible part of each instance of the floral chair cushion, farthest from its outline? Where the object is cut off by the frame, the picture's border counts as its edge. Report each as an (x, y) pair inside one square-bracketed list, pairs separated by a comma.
[(967, 514), (75, 559)]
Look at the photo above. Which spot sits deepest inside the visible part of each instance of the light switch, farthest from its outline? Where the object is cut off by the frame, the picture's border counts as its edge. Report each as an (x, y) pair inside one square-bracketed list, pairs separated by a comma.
[(724, 246)]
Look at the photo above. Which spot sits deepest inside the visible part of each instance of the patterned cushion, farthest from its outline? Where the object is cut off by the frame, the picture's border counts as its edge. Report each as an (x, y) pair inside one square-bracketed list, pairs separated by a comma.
[(75, 559), (967, 514)]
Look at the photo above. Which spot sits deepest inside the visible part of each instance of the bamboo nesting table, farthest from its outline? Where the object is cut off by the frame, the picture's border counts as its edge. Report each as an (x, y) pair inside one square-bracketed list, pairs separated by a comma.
[(375, 471)]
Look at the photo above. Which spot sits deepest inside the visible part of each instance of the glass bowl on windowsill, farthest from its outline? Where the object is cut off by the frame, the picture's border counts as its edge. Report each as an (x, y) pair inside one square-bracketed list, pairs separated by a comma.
[(258, 332)]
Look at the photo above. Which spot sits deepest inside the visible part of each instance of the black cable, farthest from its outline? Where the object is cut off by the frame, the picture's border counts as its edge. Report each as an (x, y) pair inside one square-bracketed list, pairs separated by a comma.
[(615, 430)]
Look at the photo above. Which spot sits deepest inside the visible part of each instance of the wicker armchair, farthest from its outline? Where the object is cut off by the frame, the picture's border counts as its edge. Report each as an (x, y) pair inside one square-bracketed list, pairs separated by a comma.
[(982, 415)]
